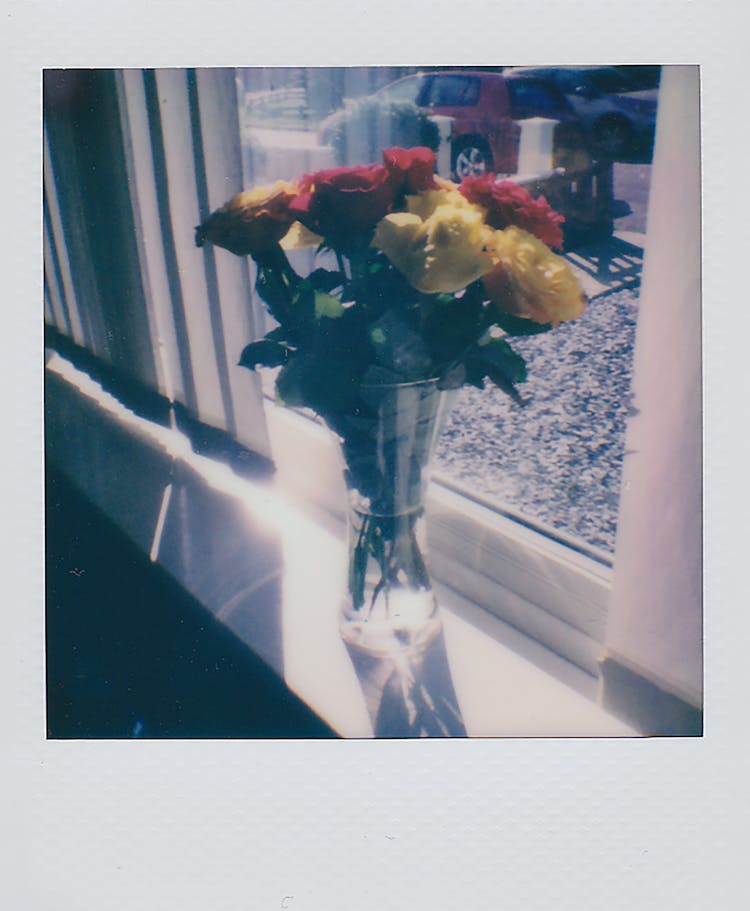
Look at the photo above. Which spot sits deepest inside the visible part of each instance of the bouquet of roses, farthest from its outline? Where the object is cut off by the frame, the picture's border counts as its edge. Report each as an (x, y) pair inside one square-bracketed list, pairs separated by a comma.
[(425, 280), (431, 277)]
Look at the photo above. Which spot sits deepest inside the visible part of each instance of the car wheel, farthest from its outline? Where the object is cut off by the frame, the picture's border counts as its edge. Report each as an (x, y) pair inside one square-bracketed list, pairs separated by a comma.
[(612, 137), (471, 158)]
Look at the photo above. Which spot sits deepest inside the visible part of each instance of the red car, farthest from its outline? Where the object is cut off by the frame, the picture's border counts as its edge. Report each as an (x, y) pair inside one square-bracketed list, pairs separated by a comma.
[(484, 108)]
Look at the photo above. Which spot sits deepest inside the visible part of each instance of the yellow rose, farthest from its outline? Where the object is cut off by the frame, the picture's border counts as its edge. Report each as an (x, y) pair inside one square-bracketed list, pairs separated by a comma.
[(530, 281), (438, 244)]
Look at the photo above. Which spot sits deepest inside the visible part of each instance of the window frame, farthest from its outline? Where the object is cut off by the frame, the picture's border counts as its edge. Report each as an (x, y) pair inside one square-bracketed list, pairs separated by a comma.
[(546, 587), (553, 592)]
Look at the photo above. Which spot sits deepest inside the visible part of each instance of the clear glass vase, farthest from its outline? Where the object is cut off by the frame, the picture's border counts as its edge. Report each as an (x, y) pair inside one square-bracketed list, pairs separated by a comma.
[(387, 446)]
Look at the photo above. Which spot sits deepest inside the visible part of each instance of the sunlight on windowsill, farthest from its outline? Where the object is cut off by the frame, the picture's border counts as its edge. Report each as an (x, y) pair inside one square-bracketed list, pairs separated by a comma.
[(499, 691)]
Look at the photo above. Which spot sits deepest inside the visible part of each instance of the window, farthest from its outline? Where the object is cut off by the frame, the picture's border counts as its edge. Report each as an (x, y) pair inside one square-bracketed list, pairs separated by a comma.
[(408, 89), (609, 80), (553, 466), (526, 516), (453, 91), (534, 98)]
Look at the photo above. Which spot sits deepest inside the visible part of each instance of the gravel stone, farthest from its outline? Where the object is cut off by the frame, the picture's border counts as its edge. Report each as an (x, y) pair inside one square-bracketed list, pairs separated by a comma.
[(558, 459)]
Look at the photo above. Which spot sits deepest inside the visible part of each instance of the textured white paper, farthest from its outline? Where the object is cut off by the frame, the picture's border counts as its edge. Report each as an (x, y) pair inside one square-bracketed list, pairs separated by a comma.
[(239, 826)]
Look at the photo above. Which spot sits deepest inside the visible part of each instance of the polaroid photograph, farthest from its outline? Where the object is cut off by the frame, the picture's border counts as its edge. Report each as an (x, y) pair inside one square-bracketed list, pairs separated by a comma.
[(374, 456), (355, 415)]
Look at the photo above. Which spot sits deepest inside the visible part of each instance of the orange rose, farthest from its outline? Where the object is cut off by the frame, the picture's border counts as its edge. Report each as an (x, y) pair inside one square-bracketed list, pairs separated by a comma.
[(252, 223)]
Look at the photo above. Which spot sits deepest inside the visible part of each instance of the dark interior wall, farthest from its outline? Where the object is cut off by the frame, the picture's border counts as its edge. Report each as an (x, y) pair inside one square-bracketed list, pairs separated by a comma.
[(87, 150)]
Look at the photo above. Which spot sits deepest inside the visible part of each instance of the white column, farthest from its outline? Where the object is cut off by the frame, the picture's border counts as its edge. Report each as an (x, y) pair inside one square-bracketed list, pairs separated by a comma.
[(535, 152), (445, 127), (652, 669)]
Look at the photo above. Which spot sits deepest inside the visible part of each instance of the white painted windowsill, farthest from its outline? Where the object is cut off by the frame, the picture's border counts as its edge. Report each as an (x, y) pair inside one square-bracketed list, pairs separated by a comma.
[(273, 573)]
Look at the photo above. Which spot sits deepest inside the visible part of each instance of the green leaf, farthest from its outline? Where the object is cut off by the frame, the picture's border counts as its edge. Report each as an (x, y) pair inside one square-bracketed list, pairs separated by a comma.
[(303, 305), (498, 361), (275, 290), (475, 373), (279, 334), (502, 382), (325, 280), (451, 325), (264, 353), (400, 348), (327, 305), (499, 353), (323, 384), (517, 325)]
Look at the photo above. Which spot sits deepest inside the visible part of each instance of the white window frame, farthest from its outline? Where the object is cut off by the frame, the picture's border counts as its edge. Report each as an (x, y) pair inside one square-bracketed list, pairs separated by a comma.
[(548, 590)]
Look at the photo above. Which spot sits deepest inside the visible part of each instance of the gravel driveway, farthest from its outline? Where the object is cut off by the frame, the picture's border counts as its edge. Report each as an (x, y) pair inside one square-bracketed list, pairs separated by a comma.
[(558, 459)]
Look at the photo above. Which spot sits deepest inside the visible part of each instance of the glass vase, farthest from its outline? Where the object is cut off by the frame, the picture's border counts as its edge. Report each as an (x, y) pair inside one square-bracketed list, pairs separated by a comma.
[(387, 446)]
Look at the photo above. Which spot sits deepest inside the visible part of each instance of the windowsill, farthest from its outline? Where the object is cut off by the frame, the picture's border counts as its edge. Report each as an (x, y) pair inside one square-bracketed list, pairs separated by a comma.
[(272, 574)]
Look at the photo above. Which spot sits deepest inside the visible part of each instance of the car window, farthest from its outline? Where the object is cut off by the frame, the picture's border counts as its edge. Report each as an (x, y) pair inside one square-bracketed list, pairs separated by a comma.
[(534, 98), (450, 91), (611, 81), (571, 81), (405, 90)]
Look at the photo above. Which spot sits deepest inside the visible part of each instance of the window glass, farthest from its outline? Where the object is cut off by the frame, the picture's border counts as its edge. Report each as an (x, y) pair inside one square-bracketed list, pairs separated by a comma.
[(451, 91), (569, 81), (404, 90), (555, 461), (611, 81), (534, 98)]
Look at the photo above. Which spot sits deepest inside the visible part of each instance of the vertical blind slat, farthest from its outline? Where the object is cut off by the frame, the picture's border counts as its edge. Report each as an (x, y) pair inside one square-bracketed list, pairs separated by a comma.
[(49, 316), (150, 244), (51, 283), (71, 230), (209, 260), (174, 112), (242, 315), (58, 251), (170, 141), (166, 240)]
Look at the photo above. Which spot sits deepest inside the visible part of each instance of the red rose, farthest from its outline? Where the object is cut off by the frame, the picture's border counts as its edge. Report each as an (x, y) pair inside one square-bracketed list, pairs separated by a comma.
[(508, 204), (411, 170), (344, 204)]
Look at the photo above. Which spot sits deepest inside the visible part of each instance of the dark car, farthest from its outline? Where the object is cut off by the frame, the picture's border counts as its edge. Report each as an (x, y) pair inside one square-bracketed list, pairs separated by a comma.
[(485, 108), (615, 111)]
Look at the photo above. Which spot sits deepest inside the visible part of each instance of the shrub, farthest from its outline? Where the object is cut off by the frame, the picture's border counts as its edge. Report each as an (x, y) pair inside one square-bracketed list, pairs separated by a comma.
[(368, 126)]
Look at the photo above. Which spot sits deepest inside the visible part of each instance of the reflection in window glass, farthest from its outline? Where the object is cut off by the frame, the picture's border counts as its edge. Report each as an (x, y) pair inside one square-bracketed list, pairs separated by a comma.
[(454, 91), (405, 90), (532, 98), (611, 80), (557, 461)]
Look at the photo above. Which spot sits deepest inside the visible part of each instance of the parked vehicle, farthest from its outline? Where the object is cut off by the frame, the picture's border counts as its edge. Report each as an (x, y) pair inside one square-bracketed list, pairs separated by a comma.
[(615, 111), (485, 108)]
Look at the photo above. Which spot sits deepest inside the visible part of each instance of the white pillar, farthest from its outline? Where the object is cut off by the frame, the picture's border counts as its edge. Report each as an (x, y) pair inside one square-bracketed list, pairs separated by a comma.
[(535, 151), (445, 126), (652, 668)]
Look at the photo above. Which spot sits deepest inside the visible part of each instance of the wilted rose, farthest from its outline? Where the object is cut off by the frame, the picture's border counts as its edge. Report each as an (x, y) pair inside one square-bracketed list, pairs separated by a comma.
[(252, 223)]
